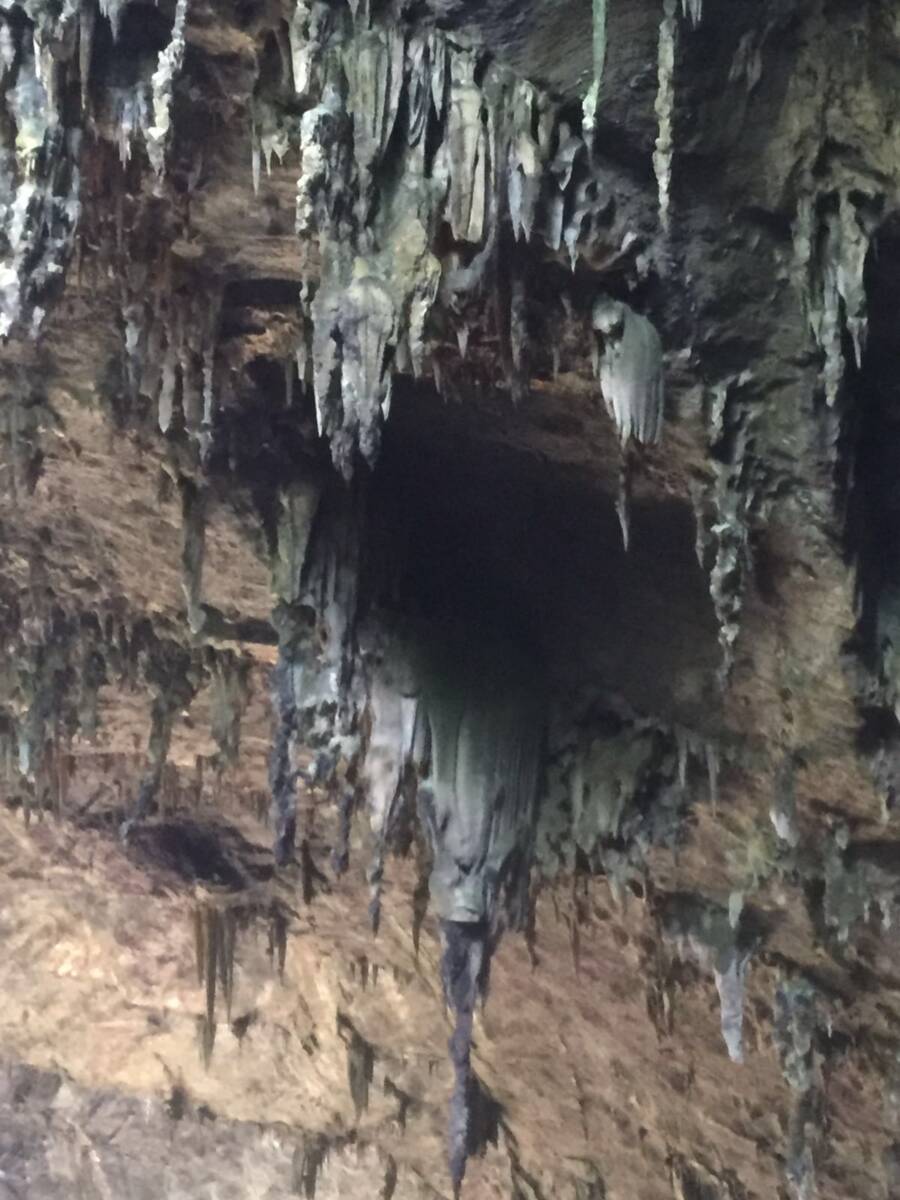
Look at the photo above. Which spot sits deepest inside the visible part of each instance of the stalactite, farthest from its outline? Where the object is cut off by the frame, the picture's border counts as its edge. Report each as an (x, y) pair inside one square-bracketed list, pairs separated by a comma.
[(230, 693), (612, 790), (591, 100), (193, 549), (712, 773), (271, 136), (783, 811), (297, 674), (130, 118), (631, 370), (584, 204), (300, 43), (421, 896), (831, 236), (86, 29), (526, 164), (368, 326), (730, 986), (466, 148), (688, 747), (665, 100), (297, 509), (215, 941), (311, 1161), (172, 676), (161, 720), (465, 963), (724, 509), (163, 84), (360, 1063), (623, 501), (570, 150), (797, 1022), (170, 330), (375, 69), (208, 376), (392, 713), (25, 415), (704, 932), (469, 725), (340, 855), (854, 883), (286, 688), (277, 938)]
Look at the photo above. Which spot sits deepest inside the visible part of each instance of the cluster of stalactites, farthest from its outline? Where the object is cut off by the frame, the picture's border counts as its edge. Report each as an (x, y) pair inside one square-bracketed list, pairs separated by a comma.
[(173, 676), (693, 11), (39, 174), (55, 666), (831, 241), (24, 414), (40, 182), (854, 884), (407, 133), (615, 784), (140, 114), (170, 345)]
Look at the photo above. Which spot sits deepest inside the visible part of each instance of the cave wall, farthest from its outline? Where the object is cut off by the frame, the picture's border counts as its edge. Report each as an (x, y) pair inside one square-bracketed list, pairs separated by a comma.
[(447, 485)]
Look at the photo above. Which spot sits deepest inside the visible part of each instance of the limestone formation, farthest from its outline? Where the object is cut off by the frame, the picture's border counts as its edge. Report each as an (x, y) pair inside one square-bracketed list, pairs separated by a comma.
[(448, 548)]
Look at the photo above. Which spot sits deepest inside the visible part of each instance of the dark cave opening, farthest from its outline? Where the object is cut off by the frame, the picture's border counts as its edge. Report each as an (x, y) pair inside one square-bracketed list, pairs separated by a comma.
[(493, 534), (874, 494)]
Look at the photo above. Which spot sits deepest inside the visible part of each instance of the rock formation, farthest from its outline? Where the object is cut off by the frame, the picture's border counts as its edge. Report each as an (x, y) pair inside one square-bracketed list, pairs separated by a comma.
[(449, 729)]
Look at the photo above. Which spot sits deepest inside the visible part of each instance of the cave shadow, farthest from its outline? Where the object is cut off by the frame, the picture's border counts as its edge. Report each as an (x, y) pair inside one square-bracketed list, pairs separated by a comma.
[(872, 445), (492, 532), (218, 855)]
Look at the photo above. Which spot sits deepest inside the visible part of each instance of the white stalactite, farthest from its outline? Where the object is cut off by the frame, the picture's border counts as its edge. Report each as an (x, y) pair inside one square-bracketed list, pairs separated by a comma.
[(693, 11), (39, 173), (163, 86), (526, 164), (631, 370), (665, 105), (466, 150), (599, 37)]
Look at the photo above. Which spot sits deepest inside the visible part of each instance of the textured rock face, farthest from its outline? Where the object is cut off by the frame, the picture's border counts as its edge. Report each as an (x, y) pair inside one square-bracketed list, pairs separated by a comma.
[(448, 593)]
